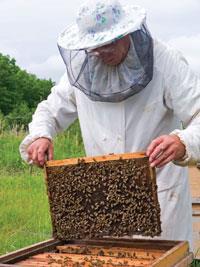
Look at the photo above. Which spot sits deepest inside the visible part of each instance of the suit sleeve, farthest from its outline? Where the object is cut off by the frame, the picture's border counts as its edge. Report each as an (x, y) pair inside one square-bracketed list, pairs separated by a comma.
[(52, 115), (182, 96)]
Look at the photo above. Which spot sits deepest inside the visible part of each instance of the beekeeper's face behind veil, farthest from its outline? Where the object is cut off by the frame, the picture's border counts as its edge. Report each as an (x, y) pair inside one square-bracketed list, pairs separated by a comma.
[(113, 54), (108, 53)]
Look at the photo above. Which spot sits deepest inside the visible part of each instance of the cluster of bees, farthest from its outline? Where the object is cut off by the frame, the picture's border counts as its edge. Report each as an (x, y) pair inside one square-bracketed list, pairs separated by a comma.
[(98, 257), (90, 262), (106, 251), (110, 198)]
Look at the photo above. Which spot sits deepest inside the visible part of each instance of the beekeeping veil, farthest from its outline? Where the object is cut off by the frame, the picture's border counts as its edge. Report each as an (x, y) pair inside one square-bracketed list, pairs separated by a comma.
[(101, 22)]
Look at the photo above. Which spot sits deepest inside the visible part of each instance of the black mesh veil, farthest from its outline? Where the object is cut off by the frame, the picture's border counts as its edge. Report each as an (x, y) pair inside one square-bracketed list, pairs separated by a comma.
[(104, 83)]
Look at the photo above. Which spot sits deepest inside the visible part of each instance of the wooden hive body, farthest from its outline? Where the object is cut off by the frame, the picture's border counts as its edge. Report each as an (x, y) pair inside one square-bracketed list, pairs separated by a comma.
[(105, 252)]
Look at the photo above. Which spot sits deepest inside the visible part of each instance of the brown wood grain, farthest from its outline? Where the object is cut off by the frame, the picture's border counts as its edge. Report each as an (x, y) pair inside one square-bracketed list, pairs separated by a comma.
[(73, 161), (194, 177), (173, 256), (69, 259), (111, 251)]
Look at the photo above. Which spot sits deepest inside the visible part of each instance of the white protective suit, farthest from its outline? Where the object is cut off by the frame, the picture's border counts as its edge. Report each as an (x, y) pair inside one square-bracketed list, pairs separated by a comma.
[(172, 96)]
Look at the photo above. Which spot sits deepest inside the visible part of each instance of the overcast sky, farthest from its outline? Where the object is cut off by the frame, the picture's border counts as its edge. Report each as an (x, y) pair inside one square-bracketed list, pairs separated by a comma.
[(29, 30)]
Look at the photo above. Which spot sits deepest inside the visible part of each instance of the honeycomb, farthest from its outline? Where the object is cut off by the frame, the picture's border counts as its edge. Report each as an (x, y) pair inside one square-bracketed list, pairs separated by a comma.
[(109, 198)]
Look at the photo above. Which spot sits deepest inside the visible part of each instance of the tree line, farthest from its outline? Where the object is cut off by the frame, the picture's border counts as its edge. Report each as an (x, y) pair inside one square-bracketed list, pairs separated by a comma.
[(20, 92)]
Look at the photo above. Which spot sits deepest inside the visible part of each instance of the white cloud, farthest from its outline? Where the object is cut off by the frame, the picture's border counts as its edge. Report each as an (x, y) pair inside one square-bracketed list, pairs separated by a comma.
[(189, 46), (172, 18), (6, 49), (52, 68)]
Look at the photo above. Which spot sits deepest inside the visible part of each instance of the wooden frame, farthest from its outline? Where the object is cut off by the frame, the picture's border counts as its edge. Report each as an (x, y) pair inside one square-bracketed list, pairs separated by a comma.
[(74, 161), (136, 188), (174, 253)]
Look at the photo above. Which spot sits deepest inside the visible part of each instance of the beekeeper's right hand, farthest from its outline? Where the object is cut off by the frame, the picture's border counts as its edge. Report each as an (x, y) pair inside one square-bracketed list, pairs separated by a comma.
[(40, 151)]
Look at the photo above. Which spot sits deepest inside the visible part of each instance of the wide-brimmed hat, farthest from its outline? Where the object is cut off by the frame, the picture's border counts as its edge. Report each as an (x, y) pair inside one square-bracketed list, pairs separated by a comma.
[(99, 22)]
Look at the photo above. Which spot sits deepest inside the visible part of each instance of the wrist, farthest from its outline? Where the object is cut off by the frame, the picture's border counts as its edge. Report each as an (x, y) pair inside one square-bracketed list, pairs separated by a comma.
[(182, 153), (44, 137)]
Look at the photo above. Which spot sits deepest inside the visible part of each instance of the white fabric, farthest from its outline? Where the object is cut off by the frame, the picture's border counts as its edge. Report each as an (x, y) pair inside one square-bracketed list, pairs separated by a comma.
[(100, 22), (172, 96)]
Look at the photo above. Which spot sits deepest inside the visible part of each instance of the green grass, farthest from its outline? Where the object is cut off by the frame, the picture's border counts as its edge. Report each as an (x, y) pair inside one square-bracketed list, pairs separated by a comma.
[(24, 209), (195, 263)]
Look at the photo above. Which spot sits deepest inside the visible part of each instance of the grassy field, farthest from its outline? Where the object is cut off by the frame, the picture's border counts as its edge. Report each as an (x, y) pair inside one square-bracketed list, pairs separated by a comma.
[(24, 216), (24, 210)]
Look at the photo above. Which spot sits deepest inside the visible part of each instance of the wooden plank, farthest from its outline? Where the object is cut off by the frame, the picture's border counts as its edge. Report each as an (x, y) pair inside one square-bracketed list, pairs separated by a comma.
[(186, 261), (196, 228), (196, 213), (196, 209), (21, 254), (173, 256), (195, 200), (146, 244), (68, 259), (30, 263), (73, 161), (194, 177)]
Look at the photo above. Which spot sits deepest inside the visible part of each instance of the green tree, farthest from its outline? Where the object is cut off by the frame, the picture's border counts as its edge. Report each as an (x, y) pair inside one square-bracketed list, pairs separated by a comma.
[(19, 117), (20, 92), (8, 70)]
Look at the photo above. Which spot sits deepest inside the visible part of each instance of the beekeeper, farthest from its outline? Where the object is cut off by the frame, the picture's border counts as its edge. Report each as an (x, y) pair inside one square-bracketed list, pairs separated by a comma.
[(130, 92)]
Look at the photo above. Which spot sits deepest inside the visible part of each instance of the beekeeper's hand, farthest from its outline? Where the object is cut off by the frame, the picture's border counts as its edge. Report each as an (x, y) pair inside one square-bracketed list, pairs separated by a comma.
[(40, 150), (164, 149)]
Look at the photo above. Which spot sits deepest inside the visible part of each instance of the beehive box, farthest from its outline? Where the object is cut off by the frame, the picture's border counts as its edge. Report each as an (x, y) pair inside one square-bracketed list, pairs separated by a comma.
[(128, 192), (101, 253)]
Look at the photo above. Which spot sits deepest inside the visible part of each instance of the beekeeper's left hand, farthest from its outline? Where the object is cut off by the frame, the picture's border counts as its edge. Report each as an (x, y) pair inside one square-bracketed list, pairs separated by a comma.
[(164, 149)]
